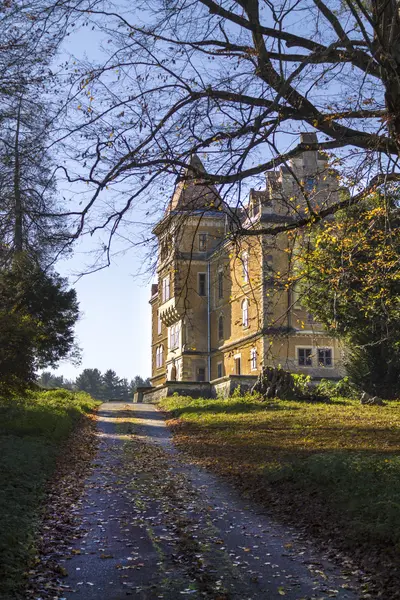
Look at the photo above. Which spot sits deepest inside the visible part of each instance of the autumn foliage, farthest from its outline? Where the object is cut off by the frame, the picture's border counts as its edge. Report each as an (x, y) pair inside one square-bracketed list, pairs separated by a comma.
[(351, 282)]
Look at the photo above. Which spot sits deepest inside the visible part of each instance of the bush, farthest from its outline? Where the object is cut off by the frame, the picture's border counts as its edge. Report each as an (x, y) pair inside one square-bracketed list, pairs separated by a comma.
[(341, 389), (346, 389), (301, 384)]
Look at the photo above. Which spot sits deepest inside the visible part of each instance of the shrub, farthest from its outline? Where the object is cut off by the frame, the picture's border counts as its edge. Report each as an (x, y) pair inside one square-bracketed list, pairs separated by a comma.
[(301, 384), (341, 389)]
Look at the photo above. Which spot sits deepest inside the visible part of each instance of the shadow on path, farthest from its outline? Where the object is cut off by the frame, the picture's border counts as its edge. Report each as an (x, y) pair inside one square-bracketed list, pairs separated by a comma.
[(155, 526)]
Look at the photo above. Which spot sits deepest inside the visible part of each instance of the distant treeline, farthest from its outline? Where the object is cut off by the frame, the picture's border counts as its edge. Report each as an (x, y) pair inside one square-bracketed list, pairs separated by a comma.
[(102, 386)]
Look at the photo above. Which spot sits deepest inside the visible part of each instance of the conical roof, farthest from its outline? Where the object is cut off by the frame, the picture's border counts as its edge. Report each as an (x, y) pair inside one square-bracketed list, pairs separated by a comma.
[(192, 192)]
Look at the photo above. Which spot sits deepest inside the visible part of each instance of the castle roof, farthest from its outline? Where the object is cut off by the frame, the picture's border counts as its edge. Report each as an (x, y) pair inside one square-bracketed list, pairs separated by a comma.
[(192, 192)]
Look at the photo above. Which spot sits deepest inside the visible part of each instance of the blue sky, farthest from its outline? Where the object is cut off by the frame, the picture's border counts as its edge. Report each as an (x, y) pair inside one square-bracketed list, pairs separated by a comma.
[(114, 330)]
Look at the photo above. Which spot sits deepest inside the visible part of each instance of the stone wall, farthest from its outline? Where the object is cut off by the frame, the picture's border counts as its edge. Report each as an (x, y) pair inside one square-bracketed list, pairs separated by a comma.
[(195, 389), (153, 396), (224, 387), (219, 388)]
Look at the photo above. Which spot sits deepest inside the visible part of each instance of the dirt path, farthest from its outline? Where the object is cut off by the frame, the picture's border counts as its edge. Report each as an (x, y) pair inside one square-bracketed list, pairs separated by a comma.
[(154, 526)]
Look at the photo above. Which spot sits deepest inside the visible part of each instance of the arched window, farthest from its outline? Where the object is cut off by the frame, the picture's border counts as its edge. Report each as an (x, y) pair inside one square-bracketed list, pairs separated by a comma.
[(221, 327), (245, 313), (159, 357)]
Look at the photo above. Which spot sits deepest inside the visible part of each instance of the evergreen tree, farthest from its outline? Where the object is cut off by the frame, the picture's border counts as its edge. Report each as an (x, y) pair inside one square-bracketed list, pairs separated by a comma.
[(124, 390), (111, 385), (52, 381), (46, 379), (91, 381), (38, 313)]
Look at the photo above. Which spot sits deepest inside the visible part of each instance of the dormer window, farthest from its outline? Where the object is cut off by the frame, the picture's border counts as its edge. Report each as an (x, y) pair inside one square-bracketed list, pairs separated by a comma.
[(202, 242)]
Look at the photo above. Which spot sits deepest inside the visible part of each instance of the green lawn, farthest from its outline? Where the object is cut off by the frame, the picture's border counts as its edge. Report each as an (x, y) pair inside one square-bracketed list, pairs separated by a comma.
[(32, 431), (336, 465)]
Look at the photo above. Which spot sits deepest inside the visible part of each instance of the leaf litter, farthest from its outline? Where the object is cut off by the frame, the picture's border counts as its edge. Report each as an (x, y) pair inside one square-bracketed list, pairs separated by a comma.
[(190, 555)]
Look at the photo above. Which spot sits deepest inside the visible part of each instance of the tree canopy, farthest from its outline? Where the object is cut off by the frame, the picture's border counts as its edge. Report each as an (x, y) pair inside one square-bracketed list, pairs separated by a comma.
[(351, 281), (235, 82), (37, 316), (102, 386)]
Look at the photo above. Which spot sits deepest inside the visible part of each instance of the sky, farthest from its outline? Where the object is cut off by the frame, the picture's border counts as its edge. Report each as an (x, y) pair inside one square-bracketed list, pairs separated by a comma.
[(114, 330)]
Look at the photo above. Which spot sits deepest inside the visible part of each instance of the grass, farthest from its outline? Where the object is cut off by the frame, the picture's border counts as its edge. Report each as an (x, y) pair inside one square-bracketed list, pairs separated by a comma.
[(32, 431), (335, 465)]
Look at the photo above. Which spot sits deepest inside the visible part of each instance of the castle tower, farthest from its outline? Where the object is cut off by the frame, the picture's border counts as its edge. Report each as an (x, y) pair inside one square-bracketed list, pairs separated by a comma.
[(190, 230)]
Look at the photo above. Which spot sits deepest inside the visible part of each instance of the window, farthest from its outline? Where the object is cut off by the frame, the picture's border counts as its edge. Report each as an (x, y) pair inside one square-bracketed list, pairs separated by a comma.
[(174, 336), (166, 289), (202, 242), (220, 284), (201, 374), (245, 313), (221, 327), (256, 208), (219, 370), (325, 357), (163, 251), (304, 357), (309, 184), (165, 247), (159, 357), (238, 365), (159, 323), (253, 359), (297, 295), (202, 284), (245, 264), (310, 319)]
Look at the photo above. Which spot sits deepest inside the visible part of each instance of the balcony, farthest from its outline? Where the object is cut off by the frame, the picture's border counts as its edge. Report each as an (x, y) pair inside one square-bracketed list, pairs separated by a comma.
[(172, 311)]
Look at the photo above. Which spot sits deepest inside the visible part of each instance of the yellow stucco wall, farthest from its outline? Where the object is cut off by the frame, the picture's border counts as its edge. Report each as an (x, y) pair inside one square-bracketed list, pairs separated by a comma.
[(277, 323)]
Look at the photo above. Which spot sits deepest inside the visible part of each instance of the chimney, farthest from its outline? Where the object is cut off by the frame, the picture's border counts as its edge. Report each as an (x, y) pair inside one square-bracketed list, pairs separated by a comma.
[(308, 138)]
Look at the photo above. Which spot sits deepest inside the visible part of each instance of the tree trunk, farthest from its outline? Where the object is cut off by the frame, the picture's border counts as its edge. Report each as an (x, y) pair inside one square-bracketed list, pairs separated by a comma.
[(387, 47)]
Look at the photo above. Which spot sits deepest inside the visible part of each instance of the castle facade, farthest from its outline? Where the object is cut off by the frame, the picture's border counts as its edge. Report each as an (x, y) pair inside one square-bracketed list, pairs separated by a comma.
[(225, 303)]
